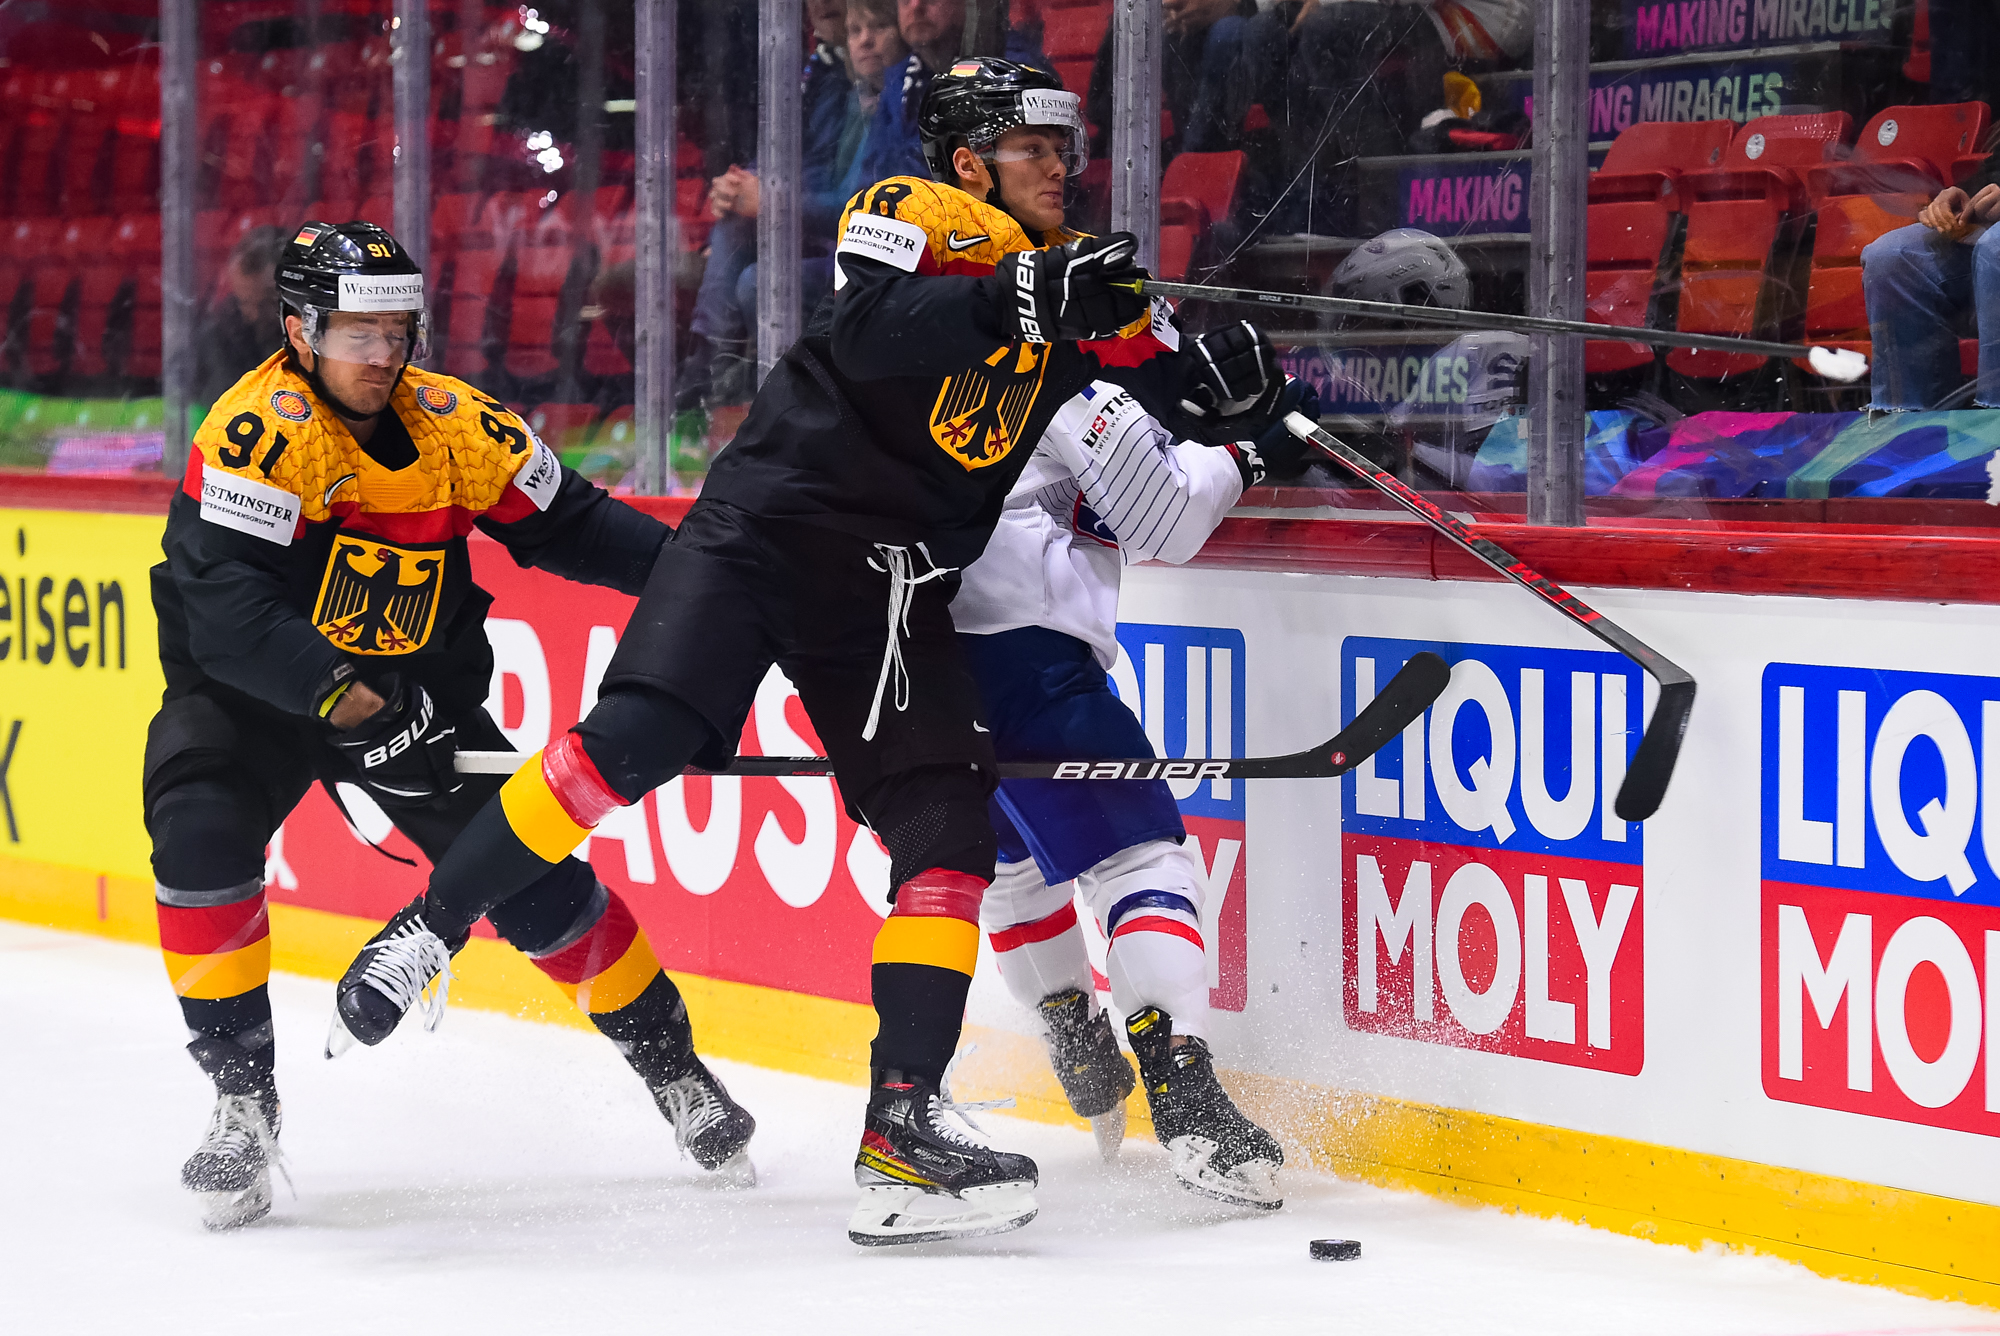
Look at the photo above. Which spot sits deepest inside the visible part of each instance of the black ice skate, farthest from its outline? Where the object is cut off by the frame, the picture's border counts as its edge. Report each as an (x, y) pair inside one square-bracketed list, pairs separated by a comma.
[(1094, 1074), (230, 1172), (926, 1175), (404, 965), (1216, 1151), (708, 1124)]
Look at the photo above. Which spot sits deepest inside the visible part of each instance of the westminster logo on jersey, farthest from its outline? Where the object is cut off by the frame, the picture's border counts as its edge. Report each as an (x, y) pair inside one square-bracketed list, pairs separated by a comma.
[(980, 413), (379, 599)]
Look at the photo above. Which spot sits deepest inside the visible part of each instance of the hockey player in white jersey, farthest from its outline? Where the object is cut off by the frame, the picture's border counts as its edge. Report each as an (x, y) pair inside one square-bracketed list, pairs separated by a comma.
[(1108, 485)]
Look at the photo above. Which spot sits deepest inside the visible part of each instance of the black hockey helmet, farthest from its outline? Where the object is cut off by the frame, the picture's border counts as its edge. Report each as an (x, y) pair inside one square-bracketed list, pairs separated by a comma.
[(981, 98), (353, 266)]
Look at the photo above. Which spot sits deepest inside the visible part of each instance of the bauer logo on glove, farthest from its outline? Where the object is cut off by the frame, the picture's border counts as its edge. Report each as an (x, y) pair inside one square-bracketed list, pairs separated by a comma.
[(403, 752)]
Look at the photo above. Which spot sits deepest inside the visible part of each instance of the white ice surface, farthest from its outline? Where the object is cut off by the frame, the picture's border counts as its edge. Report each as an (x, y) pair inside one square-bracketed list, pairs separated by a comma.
[(506, 1177)]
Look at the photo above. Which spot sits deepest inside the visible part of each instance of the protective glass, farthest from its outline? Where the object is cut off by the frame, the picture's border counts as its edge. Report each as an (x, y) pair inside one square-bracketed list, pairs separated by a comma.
[(388, 339)]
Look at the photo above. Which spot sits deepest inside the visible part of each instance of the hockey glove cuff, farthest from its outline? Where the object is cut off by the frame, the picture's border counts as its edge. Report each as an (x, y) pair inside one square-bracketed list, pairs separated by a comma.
[(404, 751), (1085, 290), (1276, 455), (1228, 373)]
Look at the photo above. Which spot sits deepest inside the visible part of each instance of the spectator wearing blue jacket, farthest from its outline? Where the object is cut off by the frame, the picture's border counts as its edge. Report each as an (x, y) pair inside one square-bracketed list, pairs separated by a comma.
[(934, 30)]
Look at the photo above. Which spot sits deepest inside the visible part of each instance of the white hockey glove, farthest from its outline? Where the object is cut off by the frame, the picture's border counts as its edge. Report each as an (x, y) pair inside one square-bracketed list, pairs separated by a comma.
[(1070, 292)]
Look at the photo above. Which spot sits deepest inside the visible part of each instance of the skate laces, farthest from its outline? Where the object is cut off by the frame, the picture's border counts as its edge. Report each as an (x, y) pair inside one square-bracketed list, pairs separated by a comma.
[(238, 1126), (412, 968), (692, 1107), (902, 593), (943, 1103)]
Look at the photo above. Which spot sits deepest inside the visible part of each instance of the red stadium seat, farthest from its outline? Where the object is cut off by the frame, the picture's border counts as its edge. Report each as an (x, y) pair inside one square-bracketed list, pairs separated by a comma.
[(1070, 38), (377, 209), (1635, 225), (1903, 157), (1917, 69), (470, 348), (36, 164), (545, 271), (1742, 270), (602, 356), (1198, 190)]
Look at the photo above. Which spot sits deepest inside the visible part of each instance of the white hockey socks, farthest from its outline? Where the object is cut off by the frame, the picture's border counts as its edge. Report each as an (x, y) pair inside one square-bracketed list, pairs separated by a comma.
[(1148, 899), (1036, 939)]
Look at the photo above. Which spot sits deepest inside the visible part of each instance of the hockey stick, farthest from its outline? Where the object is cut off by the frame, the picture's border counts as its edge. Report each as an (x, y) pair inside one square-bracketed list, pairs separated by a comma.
[(1839, 364), (1406, 695), (1645, 783)]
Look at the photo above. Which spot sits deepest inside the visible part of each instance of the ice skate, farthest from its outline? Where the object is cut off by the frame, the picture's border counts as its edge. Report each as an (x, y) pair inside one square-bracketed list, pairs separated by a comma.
[(404, 965), (709, 1125), (926, 1175), (1094, 1074), (1216, 1151), (230, 1172)]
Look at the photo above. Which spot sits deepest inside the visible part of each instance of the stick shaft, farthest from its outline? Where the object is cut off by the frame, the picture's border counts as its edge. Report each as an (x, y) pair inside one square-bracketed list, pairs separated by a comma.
[(1491, 554), (1437, 315)]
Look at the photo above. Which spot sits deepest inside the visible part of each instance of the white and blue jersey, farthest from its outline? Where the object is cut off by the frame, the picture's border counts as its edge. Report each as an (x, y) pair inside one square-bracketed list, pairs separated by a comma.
[(1038, 618)]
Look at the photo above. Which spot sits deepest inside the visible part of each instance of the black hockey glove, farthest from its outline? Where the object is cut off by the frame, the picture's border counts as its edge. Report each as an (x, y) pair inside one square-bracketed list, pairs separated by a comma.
[(404, 750), (1276, 455), (1068, 292), (1229, 372)]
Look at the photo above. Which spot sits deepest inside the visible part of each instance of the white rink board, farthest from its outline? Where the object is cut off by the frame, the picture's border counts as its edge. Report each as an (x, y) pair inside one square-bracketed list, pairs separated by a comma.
[(1701, 1087)]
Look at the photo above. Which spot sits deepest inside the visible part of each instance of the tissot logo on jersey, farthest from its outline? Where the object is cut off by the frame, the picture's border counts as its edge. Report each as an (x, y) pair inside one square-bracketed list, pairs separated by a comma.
[(1880, 936), (1492, 898), (1187, 685), (377, 598)]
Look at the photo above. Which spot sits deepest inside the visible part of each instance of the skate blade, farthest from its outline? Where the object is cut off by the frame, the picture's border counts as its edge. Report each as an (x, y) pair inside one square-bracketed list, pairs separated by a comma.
[(1109, 1130), (222, 1211), (891, 1215), (1254, 1183), (339, 1039), (735, 1172)]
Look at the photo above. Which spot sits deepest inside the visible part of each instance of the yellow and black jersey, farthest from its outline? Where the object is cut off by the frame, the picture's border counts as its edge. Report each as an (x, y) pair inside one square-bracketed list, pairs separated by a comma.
[(902, 416), (291, 548)]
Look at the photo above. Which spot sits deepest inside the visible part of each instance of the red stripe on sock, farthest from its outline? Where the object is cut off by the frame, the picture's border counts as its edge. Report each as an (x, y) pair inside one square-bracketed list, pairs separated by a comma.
[(941, 893), (574, 779), (1041, 930), (1154, 923), (597, 950), (202, 932)]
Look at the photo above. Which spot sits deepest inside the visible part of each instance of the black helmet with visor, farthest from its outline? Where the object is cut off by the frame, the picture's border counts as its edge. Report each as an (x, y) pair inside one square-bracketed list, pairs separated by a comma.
[(356, 267), (981, 98)]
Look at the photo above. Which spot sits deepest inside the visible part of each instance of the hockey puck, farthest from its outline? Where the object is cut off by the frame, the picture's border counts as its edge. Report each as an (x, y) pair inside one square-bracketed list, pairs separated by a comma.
[(1335, 1250)]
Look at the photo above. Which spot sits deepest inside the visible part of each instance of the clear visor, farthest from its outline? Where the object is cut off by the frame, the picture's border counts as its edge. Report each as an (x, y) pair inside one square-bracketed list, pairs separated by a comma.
[(1062, 145), (382, 339)]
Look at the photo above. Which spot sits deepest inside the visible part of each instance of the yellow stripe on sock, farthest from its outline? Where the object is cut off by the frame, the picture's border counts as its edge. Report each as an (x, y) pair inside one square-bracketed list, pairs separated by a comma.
[(948, 943), (619, 985), (537, 818), (231, 974)]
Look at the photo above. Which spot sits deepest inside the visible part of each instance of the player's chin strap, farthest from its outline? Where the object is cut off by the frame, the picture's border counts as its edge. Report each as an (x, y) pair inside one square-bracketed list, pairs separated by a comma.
[(902, 593)]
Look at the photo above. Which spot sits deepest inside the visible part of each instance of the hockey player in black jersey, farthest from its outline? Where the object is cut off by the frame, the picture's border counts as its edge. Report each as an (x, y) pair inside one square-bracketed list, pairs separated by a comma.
[(871, 468), (318, 620)]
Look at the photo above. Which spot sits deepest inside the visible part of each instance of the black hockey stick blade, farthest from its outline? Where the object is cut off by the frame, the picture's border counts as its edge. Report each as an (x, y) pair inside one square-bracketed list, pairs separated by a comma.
[(1405, 696), (1645, 784)]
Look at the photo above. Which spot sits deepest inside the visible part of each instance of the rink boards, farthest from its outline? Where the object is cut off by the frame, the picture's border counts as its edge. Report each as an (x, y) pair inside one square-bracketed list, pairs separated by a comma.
[(1768, 1017)]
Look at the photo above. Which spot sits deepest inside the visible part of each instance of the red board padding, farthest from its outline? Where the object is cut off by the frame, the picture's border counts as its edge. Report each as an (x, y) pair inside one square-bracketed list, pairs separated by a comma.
[(1883, 562)]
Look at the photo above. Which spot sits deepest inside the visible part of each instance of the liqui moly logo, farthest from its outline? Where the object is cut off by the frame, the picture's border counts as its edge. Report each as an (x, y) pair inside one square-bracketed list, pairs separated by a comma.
[(1491, 897), (1881, 893), (1186, 685)]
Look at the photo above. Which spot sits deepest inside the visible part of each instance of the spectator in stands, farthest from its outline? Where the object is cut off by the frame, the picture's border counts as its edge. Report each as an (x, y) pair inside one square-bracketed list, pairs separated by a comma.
[(1920, 281), (934, 30), (1202, 83), (242, 329), (1360, 76), (720, 365)]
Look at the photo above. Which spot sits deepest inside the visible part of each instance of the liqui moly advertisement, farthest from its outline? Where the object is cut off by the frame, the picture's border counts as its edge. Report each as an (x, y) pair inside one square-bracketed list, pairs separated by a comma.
[(1881, 893), (1492, 899)]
